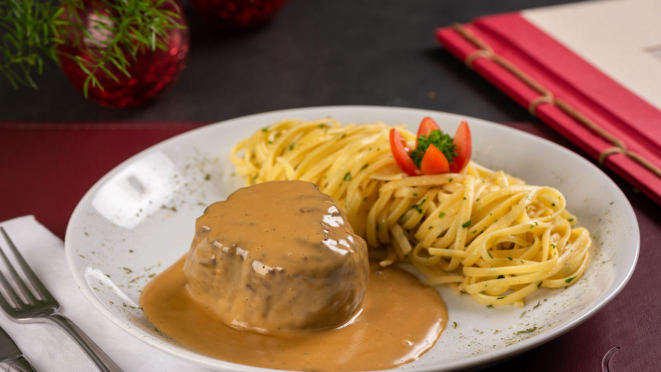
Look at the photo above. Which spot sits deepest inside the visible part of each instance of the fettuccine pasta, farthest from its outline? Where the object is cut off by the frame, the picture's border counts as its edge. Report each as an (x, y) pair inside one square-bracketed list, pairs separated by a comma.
[(481, 232)]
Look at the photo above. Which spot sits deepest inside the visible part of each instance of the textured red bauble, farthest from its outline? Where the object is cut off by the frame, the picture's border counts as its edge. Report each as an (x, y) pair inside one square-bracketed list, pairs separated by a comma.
[(238, 14), (151, 72)]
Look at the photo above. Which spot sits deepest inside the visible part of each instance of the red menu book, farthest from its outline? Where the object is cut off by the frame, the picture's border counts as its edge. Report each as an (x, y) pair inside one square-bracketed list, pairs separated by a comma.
[(592, 71)]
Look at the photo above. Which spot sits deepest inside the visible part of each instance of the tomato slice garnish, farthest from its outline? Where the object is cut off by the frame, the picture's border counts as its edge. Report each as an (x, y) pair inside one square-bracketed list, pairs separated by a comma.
[(463, 142), (426, 126), (434, 162), (399, 151)]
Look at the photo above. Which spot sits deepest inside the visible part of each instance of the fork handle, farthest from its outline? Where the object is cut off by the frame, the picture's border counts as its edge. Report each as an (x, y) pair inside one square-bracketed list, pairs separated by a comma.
[(93, 351), (19, 364)]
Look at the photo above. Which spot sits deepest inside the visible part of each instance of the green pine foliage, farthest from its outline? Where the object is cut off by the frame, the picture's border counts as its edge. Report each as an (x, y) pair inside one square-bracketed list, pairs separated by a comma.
[(32, 30)]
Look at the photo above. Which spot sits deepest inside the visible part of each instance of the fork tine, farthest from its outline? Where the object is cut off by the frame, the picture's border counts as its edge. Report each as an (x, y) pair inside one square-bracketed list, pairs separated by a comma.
[(12, 294), (26, 270), (17, 279)]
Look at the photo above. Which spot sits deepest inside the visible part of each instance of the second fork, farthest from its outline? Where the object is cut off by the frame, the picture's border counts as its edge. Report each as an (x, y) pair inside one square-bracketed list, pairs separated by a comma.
[(44, 307)]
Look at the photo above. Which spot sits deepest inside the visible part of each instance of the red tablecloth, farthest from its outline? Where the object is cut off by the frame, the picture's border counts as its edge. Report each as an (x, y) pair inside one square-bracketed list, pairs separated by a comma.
[(47, 168)]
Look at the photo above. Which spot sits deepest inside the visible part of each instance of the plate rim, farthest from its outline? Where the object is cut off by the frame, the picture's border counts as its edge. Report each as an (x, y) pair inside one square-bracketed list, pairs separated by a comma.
[(482, 360)]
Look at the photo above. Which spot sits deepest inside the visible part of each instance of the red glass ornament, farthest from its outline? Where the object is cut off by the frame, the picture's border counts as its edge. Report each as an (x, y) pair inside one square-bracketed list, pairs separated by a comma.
[(238, 14), (151, 72)]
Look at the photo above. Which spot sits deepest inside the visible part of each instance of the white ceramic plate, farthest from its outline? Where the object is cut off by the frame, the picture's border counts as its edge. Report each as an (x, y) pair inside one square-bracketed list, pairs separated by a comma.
[(140, 218)]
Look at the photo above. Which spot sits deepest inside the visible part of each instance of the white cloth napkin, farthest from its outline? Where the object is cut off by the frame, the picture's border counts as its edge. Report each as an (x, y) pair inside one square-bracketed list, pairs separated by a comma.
[(49, 348)]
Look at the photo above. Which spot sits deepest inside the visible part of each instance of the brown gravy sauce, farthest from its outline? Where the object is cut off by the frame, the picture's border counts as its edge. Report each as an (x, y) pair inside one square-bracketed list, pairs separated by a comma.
[(294, 314), (401, 320), (278, 257)]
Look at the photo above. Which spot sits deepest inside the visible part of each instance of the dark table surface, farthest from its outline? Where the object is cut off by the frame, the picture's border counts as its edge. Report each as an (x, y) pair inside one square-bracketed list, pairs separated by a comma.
[(333, 53), (314, 53)]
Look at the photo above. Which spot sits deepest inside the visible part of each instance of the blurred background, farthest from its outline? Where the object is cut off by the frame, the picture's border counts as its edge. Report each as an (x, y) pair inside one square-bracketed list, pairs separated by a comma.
[(312, 53)]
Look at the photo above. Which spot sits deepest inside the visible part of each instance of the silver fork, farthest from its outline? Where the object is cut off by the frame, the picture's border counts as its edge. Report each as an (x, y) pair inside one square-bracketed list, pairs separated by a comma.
[(44, 308)]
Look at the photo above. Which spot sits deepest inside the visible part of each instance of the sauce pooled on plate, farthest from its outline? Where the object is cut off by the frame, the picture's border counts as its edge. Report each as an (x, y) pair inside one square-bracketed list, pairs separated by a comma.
[(276, 278)]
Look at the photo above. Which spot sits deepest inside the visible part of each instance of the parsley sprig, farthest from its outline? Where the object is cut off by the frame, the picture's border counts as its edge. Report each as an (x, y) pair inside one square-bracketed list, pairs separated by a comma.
[(440, 140)]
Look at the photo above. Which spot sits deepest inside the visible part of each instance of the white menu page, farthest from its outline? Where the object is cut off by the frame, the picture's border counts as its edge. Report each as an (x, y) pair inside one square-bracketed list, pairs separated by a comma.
[(622, 38)]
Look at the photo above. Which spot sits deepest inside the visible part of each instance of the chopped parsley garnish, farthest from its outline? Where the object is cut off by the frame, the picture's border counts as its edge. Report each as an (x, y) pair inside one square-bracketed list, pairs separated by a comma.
[(454, 324), (491, 306), (450, 180), (265, 129), (364, 166), (466, 224), (540, 284), (489, 253), (440, 140), (344, 135), (570, 279), (291, 147), (500, 298), (529, 330), (571, 220), (441, 215), (418, 207), (553, 204), (347, 177)]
